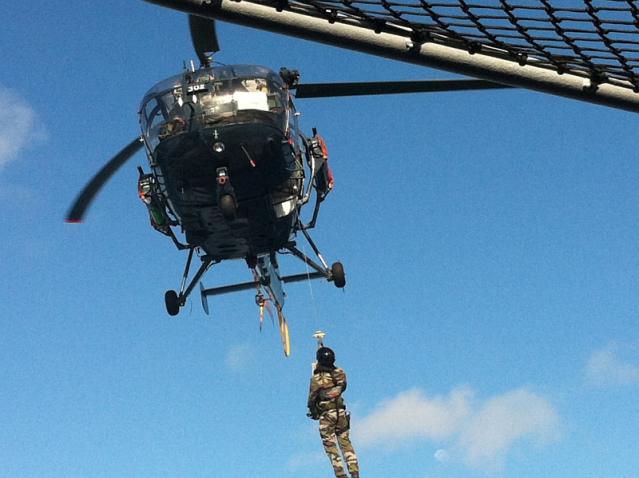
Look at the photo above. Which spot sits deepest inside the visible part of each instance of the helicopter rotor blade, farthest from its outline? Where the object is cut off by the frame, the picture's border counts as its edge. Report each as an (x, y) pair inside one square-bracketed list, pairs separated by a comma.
[(91, 190), (203, 37), (324, 90)]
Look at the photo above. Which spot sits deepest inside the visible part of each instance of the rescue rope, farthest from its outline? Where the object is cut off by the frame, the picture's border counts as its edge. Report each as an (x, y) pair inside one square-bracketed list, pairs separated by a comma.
[(310, 289)]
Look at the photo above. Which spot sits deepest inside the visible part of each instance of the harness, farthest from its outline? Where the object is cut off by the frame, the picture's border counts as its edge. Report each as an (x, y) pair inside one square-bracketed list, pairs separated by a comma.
[(338, 401)]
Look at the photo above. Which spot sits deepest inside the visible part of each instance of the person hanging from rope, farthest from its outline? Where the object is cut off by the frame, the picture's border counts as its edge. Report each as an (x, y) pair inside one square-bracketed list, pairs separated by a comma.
[(325, 403)]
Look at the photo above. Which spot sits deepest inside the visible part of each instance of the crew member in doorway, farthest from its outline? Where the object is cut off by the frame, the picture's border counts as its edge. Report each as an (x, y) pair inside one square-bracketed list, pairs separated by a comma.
[(325, 403)]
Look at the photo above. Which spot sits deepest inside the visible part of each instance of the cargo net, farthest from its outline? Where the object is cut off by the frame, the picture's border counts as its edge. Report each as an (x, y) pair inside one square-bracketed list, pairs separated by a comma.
[(595, 39)]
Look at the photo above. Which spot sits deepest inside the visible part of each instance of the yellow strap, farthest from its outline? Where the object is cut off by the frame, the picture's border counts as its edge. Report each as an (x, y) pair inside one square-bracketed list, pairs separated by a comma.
[(261, 315), (284, 334)]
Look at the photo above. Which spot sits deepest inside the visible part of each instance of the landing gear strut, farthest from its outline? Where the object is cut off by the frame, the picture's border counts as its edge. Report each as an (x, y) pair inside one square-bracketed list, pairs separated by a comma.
[(335, 273), (175, 301)]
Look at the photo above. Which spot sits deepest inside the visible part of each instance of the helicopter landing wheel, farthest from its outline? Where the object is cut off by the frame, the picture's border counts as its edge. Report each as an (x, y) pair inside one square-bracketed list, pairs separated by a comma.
[(172, 302), (227, 206), (337, 273)]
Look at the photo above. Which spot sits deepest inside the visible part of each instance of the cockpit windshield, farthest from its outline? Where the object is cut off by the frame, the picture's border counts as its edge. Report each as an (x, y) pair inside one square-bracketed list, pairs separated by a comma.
[(210, 96)]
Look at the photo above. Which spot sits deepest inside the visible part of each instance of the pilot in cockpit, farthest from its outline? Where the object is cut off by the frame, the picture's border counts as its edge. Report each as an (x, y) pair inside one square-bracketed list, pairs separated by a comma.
[(255, 85), (175, 120)]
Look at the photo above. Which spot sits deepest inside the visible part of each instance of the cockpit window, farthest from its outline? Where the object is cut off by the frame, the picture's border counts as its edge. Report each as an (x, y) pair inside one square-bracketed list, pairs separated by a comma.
[(155, 113), (208, 96)]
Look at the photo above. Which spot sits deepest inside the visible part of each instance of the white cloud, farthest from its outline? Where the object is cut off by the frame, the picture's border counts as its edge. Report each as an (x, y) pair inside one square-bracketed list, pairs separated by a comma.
[(479, 434), (503, 420), (19, 125), (239, 356), (413, 415), (605, 367)]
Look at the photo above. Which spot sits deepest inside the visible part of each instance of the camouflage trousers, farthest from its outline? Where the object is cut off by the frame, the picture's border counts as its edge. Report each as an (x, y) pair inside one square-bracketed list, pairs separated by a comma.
[(334, 427)]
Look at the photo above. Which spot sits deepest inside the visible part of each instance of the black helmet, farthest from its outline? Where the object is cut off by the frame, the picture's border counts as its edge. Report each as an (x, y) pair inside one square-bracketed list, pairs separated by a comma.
[(325, 356)]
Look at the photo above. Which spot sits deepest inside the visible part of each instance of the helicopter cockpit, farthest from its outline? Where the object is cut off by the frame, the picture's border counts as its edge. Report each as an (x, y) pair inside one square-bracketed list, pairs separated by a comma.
[(213, 96)]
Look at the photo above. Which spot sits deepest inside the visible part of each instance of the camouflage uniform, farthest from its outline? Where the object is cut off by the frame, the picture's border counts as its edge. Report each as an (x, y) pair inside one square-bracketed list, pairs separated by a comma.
[(325, 396)]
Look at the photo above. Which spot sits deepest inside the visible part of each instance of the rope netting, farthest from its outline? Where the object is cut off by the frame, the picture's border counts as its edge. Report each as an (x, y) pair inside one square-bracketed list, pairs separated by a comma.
[(596, 39)]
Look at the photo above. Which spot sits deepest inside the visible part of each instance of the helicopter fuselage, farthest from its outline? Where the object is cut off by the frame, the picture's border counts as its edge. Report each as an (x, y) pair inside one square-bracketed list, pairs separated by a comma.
[(252, 161), (220, 135), (227, 177)]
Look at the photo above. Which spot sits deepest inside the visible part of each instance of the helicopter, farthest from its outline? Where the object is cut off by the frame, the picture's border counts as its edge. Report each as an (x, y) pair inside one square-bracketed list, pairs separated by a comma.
[(230, 170)]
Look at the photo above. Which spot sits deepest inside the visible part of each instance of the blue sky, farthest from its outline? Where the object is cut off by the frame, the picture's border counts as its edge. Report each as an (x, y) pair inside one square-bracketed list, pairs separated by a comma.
[(490, 240)]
